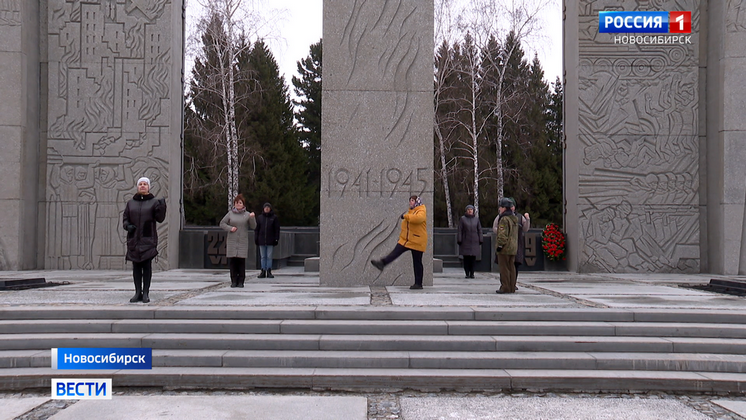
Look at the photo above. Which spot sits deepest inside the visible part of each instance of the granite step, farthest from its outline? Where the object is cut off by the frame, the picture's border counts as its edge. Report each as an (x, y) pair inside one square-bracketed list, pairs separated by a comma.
[(418, 360), (446, 313), (321, 379), (374, 327), (384, 347), (337, 342)]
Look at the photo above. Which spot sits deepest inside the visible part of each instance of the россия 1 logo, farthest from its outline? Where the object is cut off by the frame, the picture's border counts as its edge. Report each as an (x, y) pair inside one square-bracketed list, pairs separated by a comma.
[(645, 22)]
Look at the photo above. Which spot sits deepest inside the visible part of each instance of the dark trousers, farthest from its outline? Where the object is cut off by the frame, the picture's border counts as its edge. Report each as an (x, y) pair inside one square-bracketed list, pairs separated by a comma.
[(142, 273), (416, 261), (469, 264), (238, 271), (507, 273)]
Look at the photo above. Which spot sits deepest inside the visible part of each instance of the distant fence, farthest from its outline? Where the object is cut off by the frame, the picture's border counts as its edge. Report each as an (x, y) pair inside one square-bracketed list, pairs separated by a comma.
[(204, 247)]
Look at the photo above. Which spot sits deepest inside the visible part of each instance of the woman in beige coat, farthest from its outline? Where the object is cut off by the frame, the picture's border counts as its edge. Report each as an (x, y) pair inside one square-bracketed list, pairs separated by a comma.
[(237, 223)]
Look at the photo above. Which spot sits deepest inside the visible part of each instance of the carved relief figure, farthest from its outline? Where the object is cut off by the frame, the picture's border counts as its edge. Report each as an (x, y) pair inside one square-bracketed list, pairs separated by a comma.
[(735, 17), (109, 75), (10, 12)]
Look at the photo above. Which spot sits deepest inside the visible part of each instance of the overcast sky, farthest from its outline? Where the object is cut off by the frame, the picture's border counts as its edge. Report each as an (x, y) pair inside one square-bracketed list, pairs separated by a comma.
[(300, 26)]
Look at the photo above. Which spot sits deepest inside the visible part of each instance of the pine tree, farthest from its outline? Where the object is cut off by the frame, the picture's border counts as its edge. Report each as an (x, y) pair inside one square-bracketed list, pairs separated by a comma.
[(280, 174), (308, 90)]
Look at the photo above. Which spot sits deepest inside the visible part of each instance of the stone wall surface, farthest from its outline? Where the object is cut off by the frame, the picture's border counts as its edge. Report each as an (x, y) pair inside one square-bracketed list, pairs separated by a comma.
[(726, 137), (19, 133), (377, 135), (113, 115), (636, 149)]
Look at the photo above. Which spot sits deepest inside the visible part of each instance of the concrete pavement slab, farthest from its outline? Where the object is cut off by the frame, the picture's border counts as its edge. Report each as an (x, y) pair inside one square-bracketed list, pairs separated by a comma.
[(705, 301), (485, 288), (659, 277), (295, 288), (59, 297), (218, 408), (229, 298), (128, 285), (14, 407), (432, 297), (497, 408), (618, 289), (738, 407)]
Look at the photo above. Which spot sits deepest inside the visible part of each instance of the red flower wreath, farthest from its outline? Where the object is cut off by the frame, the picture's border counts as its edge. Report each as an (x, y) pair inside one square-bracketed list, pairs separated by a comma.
[(553, 242)]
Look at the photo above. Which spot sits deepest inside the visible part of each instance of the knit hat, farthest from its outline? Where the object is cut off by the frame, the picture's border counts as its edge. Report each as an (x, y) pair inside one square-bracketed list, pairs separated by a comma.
[(143, 179), (505, 202), (470, 207), (267, 205)]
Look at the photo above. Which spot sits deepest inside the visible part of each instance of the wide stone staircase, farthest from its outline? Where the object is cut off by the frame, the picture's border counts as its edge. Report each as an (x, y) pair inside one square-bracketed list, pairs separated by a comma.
[(386, 347)]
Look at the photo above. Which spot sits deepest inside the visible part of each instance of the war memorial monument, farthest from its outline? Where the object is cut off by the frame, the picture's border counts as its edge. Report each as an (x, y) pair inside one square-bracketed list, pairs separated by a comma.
[(654, 148)]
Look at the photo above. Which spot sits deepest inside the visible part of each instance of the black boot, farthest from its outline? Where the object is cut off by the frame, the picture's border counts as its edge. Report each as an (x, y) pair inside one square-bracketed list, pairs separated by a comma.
[(234, 282), (378, 264), (239, 281), (263, 274), (269, 274), (145, 291), (138, 293)]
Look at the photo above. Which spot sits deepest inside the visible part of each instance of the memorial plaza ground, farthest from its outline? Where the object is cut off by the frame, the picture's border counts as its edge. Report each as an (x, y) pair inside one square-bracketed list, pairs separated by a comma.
[(294, 297)]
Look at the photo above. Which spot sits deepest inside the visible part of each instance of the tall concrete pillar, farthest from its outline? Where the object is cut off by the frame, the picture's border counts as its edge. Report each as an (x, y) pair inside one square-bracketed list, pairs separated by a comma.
[(377, 135), (113, 109), (632, 157), (726, 137), (19, 133)]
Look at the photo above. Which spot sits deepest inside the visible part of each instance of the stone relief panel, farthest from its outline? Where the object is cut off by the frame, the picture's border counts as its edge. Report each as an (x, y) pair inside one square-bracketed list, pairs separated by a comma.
[(10, 13), (638, 134), (735, 17), (109, 111), (379, 45)]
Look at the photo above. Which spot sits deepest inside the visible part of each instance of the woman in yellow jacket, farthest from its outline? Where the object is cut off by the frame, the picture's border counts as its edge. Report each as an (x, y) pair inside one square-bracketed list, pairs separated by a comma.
[(413, 237)]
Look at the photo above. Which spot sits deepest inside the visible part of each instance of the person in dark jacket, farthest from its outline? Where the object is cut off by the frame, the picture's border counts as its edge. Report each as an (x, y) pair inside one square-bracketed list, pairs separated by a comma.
[(469, 238), (140, 216), (266, 236), (237, 223)]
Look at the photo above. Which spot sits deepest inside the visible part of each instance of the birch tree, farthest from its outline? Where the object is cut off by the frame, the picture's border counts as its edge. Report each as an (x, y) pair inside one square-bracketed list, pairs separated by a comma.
[(225, 30), (444, 37), (488, 20)]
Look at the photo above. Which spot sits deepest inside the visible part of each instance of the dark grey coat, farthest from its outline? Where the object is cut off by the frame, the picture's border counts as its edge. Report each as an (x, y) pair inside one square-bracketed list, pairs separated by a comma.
[(143, 211), (469, 236), (237, 243)]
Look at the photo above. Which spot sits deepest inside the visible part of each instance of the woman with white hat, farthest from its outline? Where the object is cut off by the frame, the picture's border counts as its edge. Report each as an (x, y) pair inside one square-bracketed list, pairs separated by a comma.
[(139, 220)]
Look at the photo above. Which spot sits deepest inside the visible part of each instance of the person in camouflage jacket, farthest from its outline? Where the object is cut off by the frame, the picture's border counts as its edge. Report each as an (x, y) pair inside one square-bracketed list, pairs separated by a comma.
[(506, 246)]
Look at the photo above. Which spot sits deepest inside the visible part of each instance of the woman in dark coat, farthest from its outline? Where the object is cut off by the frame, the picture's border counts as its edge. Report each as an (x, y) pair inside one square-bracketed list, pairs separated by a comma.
[(140, 216), (469, 240), (237, 223), (266, 236)]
